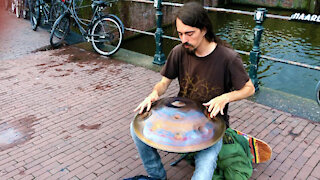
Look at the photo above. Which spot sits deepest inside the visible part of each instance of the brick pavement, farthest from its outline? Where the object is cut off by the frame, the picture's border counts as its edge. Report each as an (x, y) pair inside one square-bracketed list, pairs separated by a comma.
[(65, 114), (80, 105), (17, 38)]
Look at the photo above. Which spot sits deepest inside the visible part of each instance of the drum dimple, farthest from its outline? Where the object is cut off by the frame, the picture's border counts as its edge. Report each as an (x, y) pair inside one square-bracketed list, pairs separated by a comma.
[(178, 104), (203, 130), (177, 116)]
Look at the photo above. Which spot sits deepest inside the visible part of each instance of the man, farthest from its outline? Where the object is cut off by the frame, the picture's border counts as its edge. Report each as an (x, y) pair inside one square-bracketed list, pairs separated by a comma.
[(208, 72)]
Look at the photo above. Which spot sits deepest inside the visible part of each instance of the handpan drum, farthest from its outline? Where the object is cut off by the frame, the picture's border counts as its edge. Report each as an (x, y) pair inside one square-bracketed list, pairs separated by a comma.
[(179, 125)]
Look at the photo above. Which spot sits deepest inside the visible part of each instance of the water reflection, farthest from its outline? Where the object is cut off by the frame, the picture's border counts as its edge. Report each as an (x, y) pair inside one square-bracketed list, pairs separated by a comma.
[(16, 132), (9, 136)]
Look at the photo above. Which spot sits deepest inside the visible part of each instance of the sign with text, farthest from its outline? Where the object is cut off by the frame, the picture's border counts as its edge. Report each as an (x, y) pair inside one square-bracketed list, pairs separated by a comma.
[(305, 17)]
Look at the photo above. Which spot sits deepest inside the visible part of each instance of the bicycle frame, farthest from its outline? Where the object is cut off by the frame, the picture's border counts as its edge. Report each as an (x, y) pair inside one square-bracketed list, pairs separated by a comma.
[(96, 15), (44, 10)]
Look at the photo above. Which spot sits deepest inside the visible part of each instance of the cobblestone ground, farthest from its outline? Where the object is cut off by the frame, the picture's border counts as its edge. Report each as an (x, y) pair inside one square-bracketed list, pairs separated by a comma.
[(17, 38), (65, 114)]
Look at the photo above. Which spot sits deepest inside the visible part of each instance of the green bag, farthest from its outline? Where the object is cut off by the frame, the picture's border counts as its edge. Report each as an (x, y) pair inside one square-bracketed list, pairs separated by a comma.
[(235, 159)]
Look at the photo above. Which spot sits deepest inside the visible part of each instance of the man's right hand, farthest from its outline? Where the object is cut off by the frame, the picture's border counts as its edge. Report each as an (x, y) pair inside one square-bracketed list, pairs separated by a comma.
[(158, 90), (146, 103)]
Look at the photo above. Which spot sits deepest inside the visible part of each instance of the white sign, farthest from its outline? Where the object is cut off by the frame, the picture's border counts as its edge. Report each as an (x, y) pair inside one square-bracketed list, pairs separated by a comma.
[(305, 17), (155, 3)]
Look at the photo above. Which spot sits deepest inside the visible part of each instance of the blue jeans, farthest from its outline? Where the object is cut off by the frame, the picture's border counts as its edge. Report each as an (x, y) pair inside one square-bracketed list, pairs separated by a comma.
[(205, 160)]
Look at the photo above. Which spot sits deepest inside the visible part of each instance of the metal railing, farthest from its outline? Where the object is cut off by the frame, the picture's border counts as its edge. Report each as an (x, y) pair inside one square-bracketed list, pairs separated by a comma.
[(284, 61)]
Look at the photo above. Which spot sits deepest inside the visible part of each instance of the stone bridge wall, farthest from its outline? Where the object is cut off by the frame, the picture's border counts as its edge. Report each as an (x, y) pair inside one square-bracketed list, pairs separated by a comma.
[(311, 6)]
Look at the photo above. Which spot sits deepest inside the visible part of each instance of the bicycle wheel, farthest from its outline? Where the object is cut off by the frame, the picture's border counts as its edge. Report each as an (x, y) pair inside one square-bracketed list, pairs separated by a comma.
[(106, 36), (24, 14), (24, 9), (56, 11), (60, 30), (34, 13)]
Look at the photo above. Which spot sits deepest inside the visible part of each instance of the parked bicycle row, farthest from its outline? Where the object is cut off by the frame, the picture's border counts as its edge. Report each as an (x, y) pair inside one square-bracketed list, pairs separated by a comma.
[(19, 7), (105, 31)]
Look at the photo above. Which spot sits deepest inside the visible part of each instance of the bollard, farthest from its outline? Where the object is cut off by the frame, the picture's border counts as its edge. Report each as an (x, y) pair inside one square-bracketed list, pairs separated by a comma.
[(259, 17), (159, 57)]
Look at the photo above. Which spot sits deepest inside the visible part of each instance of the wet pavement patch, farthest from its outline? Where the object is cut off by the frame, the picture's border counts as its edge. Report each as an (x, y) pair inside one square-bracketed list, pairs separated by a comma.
[(294, 134), (89, 127), (67, 137), (16, 132), (3, 93), (84, 57), (3, 69), (103, 87), (52, 64), (61, 109), (61, 75), (81, 58), (8, 77), (44, 48)]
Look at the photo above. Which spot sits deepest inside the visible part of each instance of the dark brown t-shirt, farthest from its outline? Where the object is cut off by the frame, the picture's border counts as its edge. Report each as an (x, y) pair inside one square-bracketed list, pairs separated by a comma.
[(203, 78)]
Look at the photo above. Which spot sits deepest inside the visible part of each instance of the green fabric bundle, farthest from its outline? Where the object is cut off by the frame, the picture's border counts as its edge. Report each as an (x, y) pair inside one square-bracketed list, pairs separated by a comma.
[(234, 159)]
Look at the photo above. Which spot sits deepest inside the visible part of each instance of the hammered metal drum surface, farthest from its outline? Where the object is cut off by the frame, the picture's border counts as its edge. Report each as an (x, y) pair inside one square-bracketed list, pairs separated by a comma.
[(178, 124)]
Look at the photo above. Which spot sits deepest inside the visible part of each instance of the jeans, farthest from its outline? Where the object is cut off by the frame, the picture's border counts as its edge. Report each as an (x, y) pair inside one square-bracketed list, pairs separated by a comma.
[(205, 160)]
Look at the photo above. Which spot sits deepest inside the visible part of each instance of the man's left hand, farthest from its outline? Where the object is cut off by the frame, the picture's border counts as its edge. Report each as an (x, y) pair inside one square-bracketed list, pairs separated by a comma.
[(217, 105)]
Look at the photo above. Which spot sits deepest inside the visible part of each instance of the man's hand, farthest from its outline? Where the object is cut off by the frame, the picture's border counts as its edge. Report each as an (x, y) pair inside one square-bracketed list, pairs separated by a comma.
[(159, 89), (147, 102), (217, 105)]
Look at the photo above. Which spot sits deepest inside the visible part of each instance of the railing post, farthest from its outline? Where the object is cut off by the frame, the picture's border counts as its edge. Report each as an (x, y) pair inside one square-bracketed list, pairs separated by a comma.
[(159, 57), (259, 17)]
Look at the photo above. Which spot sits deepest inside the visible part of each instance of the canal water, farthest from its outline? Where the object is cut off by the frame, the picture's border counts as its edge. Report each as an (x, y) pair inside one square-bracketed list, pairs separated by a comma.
[(295, 41)]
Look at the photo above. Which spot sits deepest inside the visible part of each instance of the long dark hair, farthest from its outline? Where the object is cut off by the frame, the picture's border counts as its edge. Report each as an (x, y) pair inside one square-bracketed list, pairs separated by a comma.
[(193, 14)]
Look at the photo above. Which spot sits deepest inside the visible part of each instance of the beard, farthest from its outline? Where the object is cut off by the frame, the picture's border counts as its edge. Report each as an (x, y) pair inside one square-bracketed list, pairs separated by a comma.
[(190, 49)]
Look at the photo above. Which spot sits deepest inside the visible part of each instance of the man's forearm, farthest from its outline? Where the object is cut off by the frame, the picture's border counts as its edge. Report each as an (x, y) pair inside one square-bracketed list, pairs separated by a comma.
[(246, 91), (161, 87)]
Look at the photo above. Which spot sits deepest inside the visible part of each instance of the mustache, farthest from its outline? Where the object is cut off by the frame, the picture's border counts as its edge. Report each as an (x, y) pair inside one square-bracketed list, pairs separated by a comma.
[(190, 51), (187, 44)]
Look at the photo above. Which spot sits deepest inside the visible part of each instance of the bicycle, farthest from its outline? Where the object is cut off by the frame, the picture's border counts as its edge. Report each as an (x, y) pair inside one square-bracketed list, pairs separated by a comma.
[(104, 31), (16, 7), (39, 9), (20, 8)]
